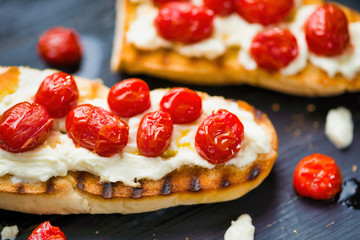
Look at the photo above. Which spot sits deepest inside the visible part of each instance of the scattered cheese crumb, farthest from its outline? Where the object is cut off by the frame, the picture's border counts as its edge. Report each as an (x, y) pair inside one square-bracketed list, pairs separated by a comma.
[(242, 229), (275, 107), (9, 232), (354, 168), (310, 108), (339, 127)]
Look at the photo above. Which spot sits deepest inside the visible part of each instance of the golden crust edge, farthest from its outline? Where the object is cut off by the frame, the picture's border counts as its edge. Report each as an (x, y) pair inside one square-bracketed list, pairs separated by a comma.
[(310, 82)]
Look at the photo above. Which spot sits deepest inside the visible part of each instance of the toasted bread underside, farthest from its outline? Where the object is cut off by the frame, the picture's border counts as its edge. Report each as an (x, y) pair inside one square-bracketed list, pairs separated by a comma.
[(165, 63), (81, 192)]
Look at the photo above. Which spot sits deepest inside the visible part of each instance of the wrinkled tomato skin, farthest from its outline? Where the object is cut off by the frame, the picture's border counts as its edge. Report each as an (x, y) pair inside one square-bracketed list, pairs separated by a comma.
[(264, 12), (47, 232), (274, 49), (221, 7), (60, 47), (154, 133), (184, 22), (96, 129), (183, 104), (58, 93), (162, 2), (129, 97), (24, 126), (327, 31), (219, 137), (317, 176)]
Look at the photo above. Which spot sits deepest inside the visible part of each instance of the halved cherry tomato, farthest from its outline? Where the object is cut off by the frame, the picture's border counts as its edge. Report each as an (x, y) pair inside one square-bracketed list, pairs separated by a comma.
[(97, 130), (58, 93), (327, 31), (274, 49), (184, 22), (162, 2), (219, 137), (154, 133), (317, 176), (24, 127), (221, 7), (264, 12), (183, 104), (60, 47), (47, 232), (129, 97)]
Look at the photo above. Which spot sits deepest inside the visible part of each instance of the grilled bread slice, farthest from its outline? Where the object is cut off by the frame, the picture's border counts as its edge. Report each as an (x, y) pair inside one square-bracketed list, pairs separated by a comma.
[(168, 64), (83, 192)]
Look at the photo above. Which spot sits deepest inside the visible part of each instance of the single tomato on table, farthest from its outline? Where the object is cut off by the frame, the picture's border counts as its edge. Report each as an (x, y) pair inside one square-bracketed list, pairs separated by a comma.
[(24, 127), (96, 129), (317, 176), (47, 232)]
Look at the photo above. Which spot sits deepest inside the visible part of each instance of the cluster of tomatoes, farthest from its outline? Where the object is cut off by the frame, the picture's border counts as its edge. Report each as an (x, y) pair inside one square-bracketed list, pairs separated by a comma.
[(326, 29), (27, 125)]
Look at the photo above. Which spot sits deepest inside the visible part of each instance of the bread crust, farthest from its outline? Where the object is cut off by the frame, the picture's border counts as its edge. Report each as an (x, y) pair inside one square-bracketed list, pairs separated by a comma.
[(81, 192), (164, 63)]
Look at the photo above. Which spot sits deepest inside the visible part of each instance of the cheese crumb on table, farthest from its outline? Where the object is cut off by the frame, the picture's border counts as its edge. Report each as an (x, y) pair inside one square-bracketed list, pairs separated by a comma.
[(339, 127), (241, 229), (9, 233)]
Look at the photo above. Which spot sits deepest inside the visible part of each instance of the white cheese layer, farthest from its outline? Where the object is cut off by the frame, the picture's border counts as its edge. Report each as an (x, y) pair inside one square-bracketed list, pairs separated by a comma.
[(339, 127), (59, 155), (9, 233), (241, 229), (233, 31)]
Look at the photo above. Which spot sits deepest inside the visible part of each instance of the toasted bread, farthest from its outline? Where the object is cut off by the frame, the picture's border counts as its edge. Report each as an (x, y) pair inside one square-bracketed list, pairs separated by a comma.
[(168, 64), (83, 192)]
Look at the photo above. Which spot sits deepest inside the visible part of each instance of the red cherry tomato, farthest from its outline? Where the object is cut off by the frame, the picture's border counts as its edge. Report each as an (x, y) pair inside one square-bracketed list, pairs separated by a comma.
[(327, 31), (317, 176), (47, 232), (58, 93), (162, 2), (221, 7), (264, 12), (184, 22), (219, 137), (24, 127), (60, 46), (183, 104), (274, 49), (97, 130), (129, 97), (154, 133)]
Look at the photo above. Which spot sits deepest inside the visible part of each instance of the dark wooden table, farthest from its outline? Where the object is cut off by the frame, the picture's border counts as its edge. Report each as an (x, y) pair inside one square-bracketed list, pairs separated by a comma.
[(276, 210)]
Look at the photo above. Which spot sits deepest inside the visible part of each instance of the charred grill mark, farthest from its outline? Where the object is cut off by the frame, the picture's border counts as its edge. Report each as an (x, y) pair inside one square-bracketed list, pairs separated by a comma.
[(255, 171), (165, 58), (20, 188), (50, 186), (80, 182), (136, 193), (224, 183), (107, 190), (219, 62), (195, 184), (167, 187)]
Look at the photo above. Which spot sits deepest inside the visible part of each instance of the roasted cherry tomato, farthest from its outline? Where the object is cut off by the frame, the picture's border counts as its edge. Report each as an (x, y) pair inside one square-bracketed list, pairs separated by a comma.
[(162, 2), (183, 104), (219, 137), (317, 176), (58, 93), (327, 31), (24, 127), (60, 47), (154, 133), (221, 7), (274, 49), (184, 22), (129, 97), (264, 12), (97, 130), (47, 232)]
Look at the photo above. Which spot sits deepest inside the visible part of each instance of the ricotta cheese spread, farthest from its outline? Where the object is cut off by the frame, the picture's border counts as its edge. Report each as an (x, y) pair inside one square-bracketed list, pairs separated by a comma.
[(9, 233), (339, 127), (233, 31), (59, 154), (242, 229)]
